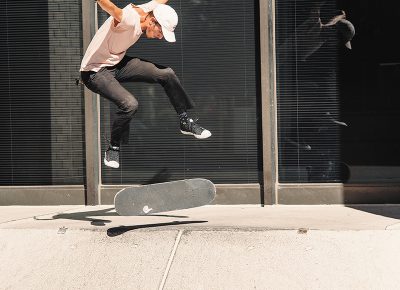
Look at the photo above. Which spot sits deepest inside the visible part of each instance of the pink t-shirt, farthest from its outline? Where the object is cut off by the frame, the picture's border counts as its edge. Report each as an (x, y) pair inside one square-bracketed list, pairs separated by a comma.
[(110, 43)]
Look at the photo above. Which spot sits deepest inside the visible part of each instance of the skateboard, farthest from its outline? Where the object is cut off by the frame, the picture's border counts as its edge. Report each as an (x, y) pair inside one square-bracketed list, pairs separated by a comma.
[(166, 196)]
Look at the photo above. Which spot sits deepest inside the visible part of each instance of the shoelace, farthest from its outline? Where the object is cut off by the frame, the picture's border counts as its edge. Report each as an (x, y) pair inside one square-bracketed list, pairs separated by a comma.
[(189, 120), (194, 127)]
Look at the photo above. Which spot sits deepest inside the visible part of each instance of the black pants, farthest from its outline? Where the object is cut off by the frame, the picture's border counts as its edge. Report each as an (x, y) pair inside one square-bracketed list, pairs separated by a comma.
[(107, 83)]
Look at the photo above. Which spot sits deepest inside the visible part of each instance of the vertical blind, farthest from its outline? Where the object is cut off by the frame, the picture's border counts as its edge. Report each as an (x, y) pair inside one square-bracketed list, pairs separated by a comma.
[(215, 59), (41, 127), (309, 122)]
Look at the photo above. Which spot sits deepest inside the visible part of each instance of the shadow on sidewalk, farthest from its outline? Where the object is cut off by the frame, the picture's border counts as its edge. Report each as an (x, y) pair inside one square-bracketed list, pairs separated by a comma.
[(390, 211), (88, 216), (113, 232)]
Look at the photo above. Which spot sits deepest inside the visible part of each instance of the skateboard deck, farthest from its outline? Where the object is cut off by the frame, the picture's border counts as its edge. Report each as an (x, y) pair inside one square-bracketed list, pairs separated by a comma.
[(166, 196)]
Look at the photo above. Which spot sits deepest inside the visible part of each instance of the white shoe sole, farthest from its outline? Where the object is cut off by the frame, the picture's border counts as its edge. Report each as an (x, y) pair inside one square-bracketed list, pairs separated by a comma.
[(204, 135), (112, 164)]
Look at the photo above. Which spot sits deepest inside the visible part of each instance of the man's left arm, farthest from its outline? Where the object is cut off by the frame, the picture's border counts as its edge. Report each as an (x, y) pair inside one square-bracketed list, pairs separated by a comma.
[(150, 6)]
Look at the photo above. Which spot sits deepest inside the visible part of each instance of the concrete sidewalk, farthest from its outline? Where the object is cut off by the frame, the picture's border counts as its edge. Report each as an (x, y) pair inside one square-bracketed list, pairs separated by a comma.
[(212, 247)]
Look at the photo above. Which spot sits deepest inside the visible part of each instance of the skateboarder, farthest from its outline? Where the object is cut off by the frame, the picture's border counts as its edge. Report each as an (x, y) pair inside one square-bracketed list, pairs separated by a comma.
[(105, 66)]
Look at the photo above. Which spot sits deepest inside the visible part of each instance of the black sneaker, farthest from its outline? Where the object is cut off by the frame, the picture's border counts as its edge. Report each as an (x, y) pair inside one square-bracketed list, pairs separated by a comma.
[(111, 157), (189, 127)]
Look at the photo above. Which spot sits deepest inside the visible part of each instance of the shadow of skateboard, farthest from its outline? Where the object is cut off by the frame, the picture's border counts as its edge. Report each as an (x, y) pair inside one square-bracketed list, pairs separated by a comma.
[(166, 196)]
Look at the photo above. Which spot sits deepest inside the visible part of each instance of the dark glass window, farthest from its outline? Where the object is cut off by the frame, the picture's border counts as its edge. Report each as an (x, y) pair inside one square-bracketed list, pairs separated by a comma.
[(41, 126), (338, 108), (310, 37), (215, 59), (370, 93)]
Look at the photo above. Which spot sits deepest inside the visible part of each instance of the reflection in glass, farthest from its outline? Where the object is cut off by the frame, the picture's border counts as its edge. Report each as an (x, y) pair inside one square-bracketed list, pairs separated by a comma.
[(310, 35)]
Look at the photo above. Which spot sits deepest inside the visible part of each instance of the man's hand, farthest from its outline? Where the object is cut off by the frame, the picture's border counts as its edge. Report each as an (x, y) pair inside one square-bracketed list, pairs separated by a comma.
[(111, 9)]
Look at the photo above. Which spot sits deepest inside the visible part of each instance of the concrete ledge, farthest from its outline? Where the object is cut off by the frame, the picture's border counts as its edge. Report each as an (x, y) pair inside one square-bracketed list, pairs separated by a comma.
[(338, 193), (372, 194), (238, 194), (42, 195), (310, 194), (226, 194)]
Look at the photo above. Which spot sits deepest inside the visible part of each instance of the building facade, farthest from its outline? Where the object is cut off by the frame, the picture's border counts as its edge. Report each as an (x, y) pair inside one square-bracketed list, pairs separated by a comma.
[(301, 98)]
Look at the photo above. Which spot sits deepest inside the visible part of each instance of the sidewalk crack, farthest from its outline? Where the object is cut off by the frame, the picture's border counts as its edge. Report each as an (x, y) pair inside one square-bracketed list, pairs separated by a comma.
[(170, 260)]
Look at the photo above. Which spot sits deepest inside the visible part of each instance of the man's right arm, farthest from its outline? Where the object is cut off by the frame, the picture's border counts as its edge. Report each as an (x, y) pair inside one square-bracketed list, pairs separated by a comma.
[(111, 9)]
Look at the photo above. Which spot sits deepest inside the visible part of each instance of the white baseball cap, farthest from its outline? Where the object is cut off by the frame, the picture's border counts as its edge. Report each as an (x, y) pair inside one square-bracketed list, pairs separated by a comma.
[(168, 20)]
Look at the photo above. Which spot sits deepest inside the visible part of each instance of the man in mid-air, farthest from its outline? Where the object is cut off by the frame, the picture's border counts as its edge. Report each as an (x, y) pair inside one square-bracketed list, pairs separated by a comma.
[(105, 66)]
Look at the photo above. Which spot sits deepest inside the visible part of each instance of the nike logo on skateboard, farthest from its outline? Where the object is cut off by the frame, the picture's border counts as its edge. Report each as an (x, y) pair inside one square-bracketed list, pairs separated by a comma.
[(147, 209)]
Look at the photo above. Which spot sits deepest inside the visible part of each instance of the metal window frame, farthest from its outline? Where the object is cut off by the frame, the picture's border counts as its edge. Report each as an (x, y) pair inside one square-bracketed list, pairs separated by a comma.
[(92, 115), (98, 193), (300, 193), (268, 100)]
